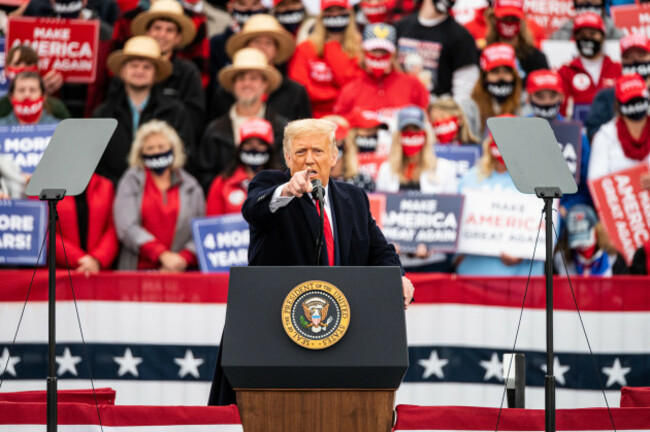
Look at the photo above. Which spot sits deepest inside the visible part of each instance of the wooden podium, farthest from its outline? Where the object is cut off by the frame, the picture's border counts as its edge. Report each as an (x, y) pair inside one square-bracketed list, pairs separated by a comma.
[(284, 387)]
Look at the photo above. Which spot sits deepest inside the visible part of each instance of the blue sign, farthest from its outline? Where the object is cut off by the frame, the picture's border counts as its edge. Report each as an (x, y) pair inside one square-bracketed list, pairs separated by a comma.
[(22, 230), (25, 144), (569, 137), (463, 156), (581, 112), (221, 242), (413, 218), (4, 82)]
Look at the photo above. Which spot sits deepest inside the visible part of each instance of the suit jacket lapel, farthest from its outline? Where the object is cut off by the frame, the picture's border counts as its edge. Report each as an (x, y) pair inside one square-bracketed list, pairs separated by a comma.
[(343, 214), (311, 215)]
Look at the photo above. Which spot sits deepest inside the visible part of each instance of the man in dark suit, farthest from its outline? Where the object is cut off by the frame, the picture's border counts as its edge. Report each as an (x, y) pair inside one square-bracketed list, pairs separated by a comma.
[(284, 221)]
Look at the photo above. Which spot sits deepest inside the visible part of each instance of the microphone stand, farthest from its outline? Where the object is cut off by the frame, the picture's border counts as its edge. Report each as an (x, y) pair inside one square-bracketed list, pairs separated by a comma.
[(319, 242)]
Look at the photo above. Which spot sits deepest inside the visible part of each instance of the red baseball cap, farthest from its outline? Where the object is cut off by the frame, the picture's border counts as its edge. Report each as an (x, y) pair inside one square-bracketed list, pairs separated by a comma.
[(634, 40), (544, 79), (324, 4), (504, 8), (497, 54), (630, 87), (363, 119), (256, 128), (588, 20)]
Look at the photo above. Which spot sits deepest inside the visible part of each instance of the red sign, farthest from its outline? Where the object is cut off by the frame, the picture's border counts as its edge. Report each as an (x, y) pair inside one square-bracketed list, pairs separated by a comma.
[(632, 18), (624, 208), (549, 14), (67, 46), (370, 162), (377, 208)]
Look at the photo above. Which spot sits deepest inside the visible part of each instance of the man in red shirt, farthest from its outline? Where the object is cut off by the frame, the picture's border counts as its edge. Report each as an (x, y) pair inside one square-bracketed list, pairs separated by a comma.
[(591, 71)]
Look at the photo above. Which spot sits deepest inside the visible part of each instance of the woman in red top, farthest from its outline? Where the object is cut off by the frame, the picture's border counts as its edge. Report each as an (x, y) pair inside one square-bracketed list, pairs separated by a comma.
[(86, 224), (155, 203), (591, 71), (383, 89), (328, 60), (255, 153)]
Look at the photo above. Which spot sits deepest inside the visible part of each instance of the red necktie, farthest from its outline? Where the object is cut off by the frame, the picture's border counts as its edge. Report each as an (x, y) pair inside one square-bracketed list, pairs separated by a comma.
[(329, 238)]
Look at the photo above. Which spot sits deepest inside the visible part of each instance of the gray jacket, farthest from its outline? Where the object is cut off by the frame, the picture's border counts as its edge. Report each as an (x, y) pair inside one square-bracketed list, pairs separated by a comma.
[(128, 220)]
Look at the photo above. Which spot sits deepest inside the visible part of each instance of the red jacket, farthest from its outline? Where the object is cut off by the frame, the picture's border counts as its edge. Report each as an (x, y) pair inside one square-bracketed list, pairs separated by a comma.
[(578, 84), (228, 195), (323, 77), (102, 240), (394, 91)]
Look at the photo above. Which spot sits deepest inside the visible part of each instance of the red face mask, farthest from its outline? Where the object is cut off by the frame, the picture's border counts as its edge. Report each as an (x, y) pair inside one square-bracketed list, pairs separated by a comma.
[(496, 154), (12, 71), (446, 130), (508, 30), (378, 66), (412, 142), (28, 111), (376, 12)]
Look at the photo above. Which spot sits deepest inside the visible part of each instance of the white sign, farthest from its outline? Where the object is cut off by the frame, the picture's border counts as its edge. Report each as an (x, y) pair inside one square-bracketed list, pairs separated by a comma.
[(502, 222)]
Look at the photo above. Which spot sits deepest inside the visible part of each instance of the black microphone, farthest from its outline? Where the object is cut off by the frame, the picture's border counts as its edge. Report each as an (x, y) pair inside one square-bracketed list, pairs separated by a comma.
[(319, 191)]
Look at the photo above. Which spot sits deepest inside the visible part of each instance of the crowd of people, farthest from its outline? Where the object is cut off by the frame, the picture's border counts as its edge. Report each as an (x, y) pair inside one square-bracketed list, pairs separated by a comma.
[(200, 114)]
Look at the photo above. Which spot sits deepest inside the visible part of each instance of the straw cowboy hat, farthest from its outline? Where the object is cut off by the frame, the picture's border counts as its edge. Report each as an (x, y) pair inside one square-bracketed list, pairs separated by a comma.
[(168, 9), (140, 47), (263, 25), (249, 59)]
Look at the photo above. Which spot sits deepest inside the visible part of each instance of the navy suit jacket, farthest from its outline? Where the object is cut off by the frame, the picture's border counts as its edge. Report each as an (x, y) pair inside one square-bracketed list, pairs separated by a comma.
[(288, 237)]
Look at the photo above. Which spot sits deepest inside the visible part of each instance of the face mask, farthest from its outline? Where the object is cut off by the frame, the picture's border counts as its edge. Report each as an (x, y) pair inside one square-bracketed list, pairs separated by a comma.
[(594, 7), (635, 109), (12, 71), (28, 111), (641, 68), (589, 48), (508, 30), (291, 20), (412, 142), (375, 12), (242, 16), (378, 66), (446, 130), (159, 162), (68, 9), (496, 154), (336, 24), (254, 159), (443, 6), (547, 112), (366, 143), (500, 90)]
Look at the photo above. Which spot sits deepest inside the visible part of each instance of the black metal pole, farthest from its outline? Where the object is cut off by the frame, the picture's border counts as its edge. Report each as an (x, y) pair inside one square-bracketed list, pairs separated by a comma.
[(550, 377), (51, 378)]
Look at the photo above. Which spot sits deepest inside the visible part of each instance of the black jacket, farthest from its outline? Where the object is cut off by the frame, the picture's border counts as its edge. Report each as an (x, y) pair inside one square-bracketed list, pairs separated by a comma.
[(290, 100), (288, 236), (184, 84), (217, 147), (113, 163)]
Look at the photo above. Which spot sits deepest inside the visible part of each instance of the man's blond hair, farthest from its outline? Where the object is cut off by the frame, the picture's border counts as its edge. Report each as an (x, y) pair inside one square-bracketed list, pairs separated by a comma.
[(308, 127)]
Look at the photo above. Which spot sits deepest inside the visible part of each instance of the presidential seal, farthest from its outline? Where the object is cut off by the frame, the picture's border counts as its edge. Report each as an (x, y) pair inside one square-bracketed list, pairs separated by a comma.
[(315, 314)]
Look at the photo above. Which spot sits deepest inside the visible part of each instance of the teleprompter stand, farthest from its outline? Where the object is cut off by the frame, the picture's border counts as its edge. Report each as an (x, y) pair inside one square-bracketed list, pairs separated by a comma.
[(65, 170), (535, 163)]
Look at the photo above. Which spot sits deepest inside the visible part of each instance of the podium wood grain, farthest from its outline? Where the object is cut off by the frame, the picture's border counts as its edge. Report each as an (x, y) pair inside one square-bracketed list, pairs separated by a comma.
[(316, 410)]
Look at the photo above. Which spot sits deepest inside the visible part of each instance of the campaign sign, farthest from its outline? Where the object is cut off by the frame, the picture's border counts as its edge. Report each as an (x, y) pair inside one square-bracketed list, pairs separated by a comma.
[(463, 157), (4, 82), (25, 144), (549, 14), (413, 218), (63, 45), (221, 242), (632, 18), (569, 137), (377, 202), (22, 230), (624, 208), (496, 222)]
